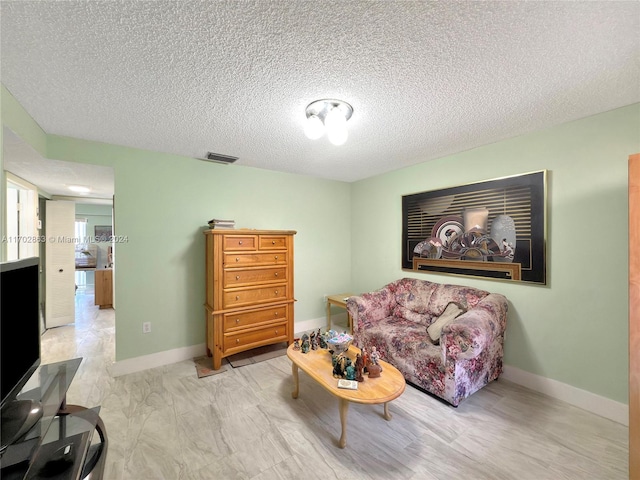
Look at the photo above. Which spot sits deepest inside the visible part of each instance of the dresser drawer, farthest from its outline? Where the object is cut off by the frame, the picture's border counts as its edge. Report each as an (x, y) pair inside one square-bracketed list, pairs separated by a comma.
[(247, 259), (240, 242), (273, 242), (255, 337), (248, 296), (254, 276), (234, 321)]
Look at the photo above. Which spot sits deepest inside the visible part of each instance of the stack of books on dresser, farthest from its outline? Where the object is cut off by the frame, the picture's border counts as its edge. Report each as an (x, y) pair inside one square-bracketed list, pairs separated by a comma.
[(228, 224)]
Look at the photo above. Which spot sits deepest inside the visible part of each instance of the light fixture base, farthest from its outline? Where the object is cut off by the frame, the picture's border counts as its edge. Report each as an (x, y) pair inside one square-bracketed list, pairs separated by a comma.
[(320, 108)]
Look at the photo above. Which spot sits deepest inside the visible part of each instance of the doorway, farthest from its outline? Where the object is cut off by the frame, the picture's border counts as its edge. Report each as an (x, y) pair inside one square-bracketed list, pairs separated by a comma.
[(50, 180)]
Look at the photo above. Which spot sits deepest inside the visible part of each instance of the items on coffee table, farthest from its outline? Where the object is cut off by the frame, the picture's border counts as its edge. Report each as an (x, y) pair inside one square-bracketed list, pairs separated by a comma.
[(374, 370), (359, 368), (350, 384), (305, 343), (374, 357), (339, 343), (340, 365), (322, 342)]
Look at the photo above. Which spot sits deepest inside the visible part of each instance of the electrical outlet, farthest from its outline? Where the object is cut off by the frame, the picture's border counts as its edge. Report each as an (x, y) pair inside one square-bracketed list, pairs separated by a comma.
[(146, 327)]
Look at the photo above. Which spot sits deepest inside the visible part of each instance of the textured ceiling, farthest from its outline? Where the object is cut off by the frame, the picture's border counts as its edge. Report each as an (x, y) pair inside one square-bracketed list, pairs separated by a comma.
[(425, 79), (55, 176)]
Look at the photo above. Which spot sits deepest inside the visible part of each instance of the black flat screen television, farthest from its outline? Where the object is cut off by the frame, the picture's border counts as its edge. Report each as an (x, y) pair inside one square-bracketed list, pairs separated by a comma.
[(19, 344)]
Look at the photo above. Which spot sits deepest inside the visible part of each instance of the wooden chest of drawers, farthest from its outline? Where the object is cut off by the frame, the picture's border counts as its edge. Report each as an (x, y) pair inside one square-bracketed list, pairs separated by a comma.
[(249, 290)]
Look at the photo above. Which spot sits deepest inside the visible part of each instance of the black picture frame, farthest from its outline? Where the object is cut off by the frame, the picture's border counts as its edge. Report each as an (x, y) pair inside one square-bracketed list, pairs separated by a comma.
[(492, 229)]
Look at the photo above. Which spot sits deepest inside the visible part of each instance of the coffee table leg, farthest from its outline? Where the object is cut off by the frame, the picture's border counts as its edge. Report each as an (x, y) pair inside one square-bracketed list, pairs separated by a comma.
[(344, 408), (387, 415), (296, 386)]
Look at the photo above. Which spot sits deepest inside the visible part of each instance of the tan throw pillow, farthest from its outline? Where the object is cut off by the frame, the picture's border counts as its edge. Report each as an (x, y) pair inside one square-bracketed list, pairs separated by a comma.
[(450, 312)]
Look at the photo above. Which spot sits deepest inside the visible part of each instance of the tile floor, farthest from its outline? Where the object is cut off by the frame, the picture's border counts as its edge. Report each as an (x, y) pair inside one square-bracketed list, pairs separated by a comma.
[(165, 423)]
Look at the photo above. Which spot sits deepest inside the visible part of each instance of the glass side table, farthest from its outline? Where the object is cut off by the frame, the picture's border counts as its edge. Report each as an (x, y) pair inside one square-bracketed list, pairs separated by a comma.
[(59, 445)]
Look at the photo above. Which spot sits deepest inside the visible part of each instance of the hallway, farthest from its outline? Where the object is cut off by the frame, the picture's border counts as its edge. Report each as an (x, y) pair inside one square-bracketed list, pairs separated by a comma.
[(92, 337)]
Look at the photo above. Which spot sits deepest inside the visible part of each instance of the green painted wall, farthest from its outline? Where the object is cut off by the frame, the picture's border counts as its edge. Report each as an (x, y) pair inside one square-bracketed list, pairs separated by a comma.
[(22, 124), (574, 329), (162, 203)]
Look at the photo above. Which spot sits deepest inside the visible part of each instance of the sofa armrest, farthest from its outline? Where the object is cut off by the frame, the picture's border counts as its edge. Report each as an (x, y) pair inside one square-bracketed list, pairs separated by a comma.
[(368, 308), (470, 333)]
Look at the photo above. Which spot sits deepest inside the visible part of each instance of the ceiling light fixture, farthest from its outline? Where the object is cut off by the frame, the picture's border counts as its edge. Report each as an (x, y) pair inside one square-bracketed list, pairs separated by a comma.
[(79, 188), (329, 116)]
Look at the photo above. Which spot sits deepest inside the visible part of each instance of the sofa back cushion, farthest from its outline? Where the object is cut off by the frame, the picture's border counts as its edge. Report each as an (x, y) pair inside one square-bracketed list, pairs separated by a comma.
[(421, 301), (412, 301), (443, 295)]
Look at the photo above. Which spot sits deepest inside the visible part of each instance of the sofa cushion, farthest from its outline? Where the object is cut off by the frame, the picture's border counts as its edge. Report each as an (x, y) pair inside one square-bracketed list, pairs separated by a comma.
[(405, 346), (413, 304), (397, 338), (443, 295), (403, 313), (451, 311), (417, 297)]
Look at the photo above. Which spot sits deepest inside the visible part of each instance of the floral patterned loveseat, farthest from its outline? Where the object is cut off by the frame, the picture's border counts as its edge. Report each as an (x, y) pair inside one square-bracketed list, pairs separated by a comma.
[(469, 352)]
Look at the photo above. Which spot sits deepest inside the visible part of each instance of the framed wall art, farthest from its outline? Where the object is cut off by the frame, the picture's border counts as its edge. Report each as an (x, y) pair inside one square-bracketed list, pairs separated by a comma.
[(494, 229), (103, 233)]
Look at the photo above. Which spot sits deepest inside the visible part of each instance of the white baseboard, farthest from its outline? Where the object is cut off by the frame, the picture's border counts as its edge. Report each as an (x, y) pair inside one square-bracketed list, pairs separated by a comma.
[(605, 407), (308, 325), (337, 319), (154, 360)]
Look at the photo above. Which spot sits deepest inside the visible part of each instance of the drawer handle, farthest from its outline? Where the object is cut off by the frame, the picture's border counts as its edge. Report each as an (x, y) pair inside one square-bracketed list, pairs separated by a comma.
[(273, 242), (276, 274), (237, 297), (237, 259), (237, 340), (276, 332), (276, 314), (237, 277), (276, 257), (237, 320), (276, 292), (240, 242)]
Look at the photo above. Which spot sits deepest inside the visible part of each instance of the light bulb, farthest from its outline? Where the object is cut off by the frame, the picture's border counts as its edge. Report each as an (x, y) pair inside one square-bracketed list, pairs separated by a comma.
[(336, 124), (314, 128), (338, 137)]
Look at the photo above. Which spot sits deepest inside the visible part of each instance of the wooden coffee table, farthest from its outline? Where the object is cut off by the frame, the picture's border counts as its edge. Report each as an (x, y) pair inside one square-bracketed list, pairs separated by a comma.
[(317, 364)]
